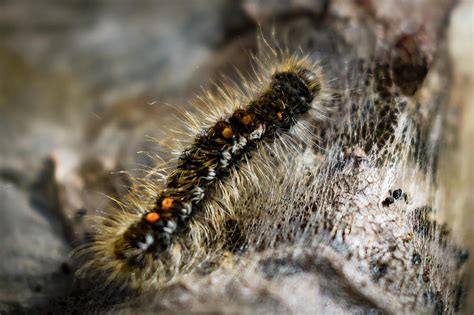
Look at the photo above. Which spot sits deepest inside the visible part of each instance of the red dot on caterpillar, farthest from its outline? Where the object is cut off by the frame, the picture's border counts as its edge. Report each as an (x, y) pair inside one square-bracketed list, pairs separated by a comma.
[(167, 203), (152, 217), (243, 117), (247, 119), (227, 132)]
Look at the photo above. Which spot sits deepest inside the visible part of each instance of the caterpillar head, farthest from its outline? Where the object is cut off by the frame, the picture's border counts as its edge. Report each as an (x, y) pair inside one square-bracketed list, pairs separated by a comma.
[(311, 79)]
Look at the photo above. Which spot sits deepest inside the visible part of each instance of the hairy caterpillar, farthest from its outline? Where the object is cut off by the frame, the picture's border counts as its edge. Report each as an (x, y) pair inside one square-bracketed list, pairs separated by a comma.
[(346, 210), (360, 212), (348, 231), (165, 226)]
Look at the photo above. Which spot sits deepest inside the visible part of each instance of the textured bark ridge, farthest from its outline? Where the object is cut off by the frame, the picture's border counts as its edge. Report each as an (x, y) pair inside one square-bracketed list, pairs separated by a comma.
[(351, 223)]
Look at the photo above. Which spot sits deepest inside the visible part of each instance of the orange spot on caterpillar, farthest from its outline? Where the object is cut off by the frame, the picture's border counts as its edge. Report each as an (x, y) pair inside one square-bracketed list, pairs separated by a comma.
[(280, 115), (243, 117), (227, 132), (247, 119), (152, 217), (167, 203)]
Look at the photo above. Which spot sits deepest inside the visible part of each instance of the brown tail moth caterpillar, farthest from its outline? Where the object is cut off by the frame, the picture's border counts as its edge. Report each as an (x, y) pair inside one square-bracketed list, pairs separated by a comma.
[(160, 233)]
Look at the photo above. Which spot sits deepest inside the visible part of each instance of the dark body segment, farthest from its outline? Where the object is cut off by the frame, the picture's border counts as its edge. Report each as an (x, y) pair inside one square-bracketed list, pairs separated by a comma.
[(216, 151)]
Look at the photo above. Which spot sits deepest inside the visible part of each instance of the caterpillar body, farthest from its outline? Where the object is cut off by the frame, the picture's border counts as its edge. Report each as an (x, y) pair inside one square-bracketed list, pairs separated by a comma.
[(163, 228)]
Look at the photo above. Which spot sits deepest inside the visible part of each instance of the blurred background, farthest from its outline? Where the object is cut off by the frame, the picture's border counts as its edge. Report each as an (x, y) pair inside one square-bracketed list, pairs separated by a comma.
[(85, 84)]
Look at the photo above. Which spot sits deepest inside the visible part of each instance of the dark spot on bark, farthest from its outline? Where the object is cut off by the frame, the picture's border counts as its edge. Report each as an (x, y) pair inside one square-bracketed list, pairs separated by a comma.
[(409, 64), (416, 259), (388, 201), (378, 270), (397, 194)]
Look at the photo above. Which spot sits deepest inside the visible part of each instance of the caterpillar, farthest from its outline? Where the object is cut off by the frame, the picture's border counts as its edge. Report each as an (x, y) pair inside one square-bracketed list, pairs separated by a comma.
[(358, 212), (164, 228)]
